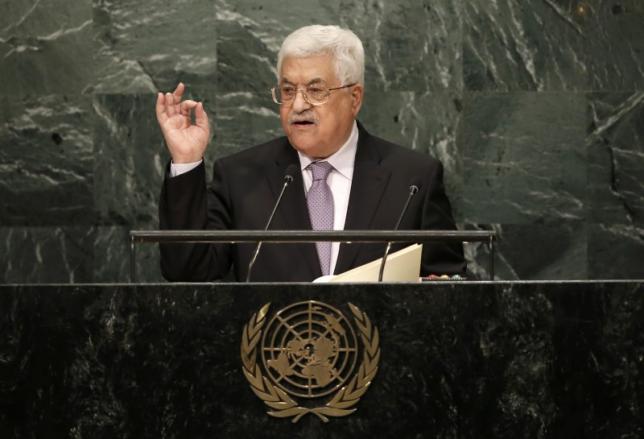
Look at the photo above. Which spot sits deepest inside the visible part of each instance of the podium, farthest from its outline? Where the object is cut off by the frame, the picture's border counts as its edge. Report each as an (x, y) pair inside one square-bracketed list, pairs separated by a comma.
[(457, 359)]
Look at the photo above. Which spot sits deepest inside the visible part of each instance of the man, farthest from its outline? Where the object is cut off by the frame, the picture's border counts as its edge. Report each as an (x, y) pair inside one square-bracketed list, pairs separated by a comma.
[(345, 179)]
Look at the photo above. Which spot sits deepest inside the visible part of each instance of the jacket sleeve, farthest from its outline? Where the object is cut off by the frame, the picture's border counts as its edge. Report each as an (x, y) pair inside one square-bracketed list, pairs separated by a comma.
[(187, 204), (439, 257)]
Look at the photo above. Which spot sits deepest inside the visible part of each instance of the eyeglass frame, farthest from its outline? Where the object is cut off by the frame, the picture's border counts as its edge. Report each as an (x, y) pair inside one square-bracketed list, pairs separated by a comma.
[(306, 97)]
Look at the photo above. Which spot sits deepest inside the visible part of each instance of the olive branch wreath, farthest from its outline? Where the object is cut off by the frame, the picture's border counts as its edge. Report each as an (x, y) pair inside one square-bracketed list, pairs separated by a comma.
[(282, 405)]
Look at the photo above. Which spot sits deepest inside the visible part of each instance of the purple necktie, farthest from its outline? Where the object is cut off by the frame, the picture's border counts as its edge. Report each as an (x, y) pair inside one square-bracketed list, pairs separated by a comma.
[(320, 202)]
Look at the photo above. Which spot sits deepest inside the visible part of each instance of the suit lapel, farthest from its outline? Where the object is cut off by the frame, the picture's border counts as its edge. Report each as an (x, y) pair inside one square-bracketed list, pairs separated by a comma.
[(368, 184), (293, 213)]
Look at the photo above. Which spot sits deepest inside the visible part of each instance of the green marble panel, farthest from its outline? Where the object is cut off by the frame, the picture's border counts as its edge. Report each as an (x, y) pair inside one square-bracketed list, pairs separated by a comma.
[(521, 45), (130, 159), (244, 62), (408, 45), (553, 45), (616, 158), (554, 250), (616, 251), (424, 122), (241, 120), (614, 45), (152, 45), (551, 148), (524, 157), (46, 47), (46, 161)]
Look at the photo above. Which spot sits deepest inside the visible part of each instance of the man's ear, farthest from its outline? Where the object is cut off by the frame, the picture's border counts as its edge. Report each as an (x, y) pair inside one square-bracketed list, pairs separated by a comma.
[(357, 93)]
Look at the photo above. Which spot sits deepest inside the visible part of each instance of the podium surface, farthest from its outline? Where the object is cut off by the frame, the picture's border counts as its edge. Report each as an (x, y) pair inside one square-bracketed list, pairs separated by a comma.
[(466, 359)]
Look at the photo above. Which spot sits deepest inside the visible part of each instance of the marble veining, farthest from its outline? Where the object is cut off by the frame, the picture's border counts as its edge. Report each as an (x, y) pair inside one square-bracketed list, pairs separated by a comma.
[(46, 175), (547, 45), (533, 107), (505, 360)]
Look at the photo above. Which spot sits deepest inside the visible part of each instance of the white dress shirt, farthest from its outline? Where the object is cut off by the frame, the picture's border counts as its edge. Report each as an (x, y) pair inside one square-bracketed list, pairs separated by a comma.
[(177, 169), (339, 181)]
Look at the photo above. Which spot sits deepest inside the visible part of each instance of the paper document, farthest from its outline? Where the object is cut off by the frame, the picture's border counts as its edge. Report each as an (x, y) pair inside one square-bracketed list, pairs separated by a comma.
[(401, 266)]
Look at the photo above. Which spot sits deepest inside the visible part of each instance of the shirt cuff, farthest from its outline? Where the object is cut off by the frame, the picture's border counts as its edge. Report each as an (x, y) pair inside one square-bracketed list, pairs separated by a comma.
[(177, 169)]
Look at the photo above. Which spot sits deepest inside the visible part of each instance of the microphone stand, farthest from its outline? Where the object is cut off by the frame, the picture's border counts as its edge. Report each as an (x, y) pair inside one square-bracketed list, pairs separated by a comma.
[(288, 178), (413, 189)]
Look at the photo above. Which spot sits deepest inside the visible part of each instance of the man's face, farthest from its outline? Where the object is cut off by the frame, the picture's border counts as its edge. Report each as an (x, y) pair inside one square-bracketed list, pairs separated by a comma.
[(317, 131)]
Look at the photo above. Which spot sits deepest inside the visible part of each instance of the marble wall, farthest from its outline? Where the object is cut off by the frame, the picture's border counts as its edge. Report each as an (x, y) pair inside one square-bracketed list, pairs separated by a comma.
[(535, 107)]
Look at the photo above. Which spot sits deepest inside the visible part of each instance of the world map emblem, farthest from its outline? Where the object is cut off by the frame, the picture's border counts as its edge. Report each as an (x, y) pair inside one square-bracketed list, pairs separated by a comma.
[(307, 353)]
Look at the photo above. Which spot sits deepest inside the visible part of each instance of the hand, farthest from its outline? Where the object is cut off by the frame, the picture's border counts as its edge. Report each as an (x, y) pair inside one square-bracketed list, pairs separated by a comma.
[(186, 141)]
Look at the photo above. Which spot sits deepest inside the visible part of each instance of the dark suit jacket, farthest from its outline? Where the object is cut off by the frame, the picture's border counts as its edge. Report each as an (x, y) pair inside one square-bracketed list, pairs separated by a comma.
[(244, 189)]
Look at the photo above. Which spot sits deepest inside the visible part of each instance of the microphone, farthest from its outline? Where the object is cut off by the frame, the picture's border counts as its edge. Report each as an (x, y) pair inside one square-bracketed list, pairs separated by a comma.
[(413, 189), (288, 178)]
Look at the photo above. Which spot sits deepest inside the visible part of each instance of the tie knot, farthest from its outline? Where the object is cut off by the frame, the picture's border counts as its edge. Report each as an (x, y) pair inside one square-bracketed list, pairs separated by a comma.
[(320, 170)]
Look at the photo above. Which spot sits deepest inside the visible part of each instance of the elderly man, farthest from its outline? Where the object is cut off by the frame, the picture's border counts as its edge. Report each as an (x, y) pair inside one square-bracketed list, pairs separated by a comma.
[(345, 178)]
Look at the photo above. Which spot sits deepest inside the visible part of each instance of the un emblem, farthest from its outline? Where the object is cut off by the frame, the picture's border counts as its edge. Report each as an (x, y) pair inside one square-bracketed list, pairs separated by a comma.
[(309, 351)]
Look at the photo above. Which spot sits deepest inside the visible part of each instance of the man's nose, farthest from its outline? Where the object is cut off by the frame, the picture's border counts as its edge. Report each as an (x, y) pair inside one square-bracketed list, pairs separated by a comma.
[(299, 103)]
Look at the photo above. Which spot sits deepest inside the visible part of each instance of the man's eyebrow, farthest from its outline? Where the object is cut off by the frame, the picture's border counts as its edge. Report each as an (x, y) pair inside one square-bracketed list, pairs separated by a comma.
[(312, 81)]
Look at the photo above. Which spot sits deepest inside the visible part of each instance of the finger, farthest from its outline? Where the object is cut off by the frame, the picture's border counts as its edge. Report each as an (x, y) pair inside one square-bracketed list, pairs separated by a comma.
[(178, 92), (160, 107), (169, 104), (186, 106), (201, 118)]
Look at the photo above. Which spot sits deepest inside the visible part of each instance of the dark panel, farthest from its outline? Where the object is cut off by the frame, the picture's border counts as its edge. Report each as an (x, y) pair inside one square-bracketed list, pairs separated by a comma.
[(112, 256), (457, 360), (46, 255)]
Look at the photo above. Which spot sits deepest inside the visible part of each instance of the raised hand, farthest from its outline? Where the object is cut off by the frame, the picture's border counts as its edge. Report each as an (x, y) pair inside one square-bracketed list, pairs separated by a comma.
[(187, 141)]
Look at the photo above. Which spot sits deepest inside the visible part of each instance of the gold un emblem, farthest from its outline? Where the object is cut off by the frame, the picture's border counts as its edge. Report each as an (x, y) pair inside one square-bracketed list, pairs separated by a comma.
[(309, 351)]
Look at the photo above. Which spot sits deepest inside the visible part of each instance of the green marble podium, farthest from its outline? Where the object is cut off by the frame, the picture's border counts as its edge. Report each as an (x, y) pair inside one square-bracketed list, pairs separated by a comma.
[(458, 360)]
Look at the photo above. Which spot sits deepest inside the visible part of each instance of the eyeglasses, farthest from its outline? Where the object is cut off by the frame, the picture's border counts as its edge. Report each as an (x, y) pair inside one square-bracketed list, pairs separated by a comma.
[(315, 94)]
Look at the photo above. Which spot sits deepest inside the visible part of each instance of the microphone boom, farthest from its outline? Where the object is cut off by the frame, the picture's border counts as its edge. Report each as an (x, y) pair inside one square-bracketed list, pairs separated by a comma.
[(413, 189), (288, 178)]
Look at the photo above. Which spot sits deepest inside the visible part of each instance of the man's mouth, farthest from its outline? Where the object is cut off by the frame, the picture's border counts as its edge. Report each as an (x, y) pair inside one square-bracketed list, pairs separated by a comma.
[(302, 122)]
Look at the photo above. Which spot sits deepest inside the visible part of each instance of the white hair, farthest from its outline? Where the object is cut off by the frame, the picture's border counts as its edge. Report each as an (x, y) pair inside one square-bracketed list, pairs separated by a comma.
[(345, 47)]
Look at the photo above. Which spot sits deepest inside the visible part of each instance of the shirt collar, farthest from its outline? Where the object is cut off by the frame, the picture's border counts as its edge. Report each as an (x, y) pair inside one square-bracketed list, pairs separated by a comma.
[(343, 159)]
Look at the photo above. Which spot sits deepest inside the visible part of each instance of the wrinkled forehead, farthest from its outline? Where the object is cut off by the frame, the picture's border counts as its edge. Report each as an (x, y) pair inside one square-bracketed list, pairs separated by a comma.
[(308, 69)]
